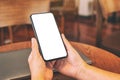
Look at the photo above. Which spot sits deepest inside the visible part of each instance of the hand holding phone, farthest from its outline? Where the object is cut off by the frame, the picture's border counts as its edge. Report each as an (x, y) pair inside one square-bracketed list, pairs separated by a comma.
[(48, 36)]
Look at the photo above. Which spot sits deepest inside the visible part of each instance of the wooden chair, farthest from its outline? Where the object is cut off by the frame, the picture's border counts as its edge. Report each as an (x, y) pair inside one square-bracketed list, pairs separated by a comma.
[(110, 43), (64, 6), (100, 57), (13, 13), (63, 9)]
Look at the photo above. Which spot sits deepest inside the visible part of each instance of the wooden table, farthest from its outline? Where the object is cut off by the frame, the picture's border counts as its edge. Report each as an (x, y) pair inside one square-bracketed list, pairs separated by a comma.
[(100, 58)]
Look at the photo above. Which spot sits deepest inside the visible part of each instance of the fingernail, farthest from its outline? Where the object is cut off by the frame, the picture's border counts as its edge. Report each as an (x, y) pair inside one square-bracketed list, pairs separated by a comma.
[(32, 40), (33, 45)]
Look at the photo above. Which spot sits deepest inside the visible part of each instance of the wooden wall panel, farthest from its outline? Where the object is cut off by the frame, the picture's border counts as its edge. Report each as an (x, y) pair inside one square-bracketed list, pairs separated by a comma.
[(19, 11)]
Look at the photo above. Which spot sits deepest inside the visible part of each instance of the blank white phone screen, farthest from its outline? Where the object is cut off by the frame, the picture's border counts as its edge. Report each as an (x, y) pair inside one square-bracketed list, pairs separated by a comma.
[(48, 36)]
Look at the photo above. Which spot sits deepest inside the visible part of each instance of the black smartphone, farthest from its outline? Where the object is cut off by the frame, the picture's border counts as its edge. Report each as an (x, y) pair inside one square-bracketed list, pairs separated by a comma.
[(51, 45)]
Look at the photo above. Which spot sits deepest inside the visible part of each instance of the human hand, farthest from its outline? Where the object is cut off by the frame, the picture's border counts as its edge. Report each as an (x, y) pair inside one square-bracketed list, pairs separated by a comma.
[(38, 68), (73, 64)]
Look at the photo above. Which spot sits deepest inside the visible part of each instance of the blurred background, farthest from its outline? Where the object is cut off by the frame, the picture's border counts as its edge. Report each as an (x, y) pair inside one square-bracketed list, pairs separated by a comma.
[(85, 21), (92, 22), (77, 18)]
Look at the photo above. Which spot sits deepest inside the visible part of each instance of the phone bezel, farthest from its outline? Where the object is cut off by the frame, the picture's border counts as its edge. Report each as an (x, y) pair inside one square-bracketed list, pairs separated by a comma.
[(39, 45)]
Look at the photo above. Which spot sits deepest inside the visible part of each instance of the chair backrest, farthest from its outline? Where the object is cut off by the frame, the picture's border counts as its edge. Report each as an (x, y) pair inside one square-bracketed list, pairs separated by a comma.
[(15, 12), (109, 6), (14, 61), (69, 5)]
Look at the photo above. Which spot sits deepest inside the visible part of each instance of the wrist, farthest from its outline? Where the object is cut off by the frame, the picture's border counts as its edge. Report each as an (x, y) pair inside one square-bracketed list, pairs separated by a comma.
[(81, 70), (39, 77)]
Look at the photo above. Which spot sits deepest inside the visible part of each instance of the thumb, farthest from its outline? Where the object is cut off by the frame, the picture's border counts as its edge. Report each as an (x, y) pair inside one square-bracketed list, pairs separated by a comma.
[(67, 44), (34, 45)]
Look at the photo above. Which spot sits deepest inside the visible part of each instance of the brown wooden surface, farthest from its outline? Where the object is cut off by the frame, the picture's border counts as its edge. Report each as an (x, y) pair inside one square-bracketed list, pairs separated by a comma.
[(15, 12), (15, 46)]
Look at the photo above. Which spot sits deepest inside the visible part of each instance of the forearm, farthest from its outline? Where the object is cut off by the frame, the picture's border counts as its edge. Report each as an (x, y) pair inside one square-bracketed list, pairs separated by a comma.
[(90, 73)]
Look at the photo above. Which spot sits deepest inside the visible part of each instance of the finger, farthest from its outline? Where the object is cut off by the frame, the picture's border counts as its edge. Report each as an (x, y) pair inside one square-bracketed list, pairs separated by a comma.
[(59, 64), (35, 49), (67, 44), (34, 45), (69, 47), (50, 64), (31, 54), (30, 57)]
